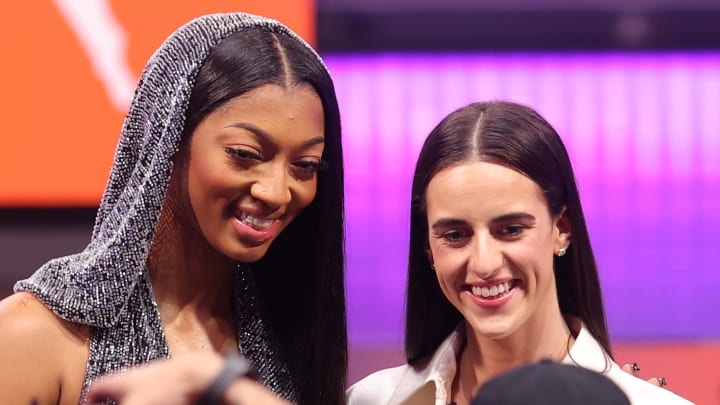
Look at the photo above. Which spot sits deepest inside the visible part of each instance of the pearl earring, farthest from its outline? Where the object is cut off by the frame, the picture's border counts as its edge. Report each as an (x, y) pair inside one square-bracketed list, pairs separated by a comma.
[(561, 252)]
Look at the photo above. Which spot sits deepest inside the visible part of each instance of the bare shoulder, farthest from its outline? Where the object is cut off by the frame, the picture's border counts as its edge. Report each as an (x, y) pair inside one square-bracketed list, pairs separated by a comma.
[(41, 354), (22, 315)]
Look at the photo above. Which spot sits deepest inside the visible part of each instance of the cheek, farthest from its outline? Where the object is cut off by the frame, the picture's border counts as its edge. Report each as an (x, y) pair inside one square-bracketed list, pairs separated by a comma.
[(449, 281), (448, 260), (206, 177), (544, 254), (198, 183), (536, 263), (532, 254), (209, 189), (445, 278), (449, 265), (305, 193)]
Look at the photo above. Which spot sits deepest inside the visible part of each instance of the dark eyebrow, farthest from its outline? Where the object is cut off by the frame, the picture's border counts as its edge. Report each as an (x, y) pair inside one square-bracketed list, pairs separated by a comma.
[(269, 138), (513, 216), (447, 222)]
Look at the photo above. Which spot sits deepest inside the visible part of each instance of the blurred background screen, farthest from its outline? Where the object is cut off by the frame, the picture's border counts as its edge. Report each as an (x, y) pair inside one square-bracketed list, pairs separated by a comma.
[(633, 88)]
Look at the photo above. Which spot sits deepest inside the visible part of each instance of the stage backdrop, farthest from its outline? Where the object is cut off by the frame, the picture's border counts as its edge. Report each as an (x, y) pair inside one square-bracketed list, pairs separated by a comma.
[(69, 69), (643, 133), (642, 129)]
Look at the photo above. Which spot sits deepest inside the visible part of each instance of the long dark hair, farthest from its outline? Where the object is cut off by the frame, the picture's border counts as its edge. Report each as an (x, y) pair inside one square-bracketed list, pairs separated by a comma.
[(519, 138), (301, 278)]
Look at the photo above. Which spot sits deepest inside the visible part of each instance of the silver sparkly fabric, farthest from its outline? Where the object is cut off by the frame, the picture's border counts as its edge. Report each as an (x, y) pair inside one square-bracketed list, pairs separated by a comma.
[(107, 285)]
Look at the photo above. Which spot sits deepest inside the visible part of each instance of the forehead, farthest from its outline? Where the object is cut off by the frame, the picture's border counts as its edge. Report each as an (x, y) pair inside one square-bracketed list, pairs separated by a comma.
[(479, 188), (270, 96), (277, 107)]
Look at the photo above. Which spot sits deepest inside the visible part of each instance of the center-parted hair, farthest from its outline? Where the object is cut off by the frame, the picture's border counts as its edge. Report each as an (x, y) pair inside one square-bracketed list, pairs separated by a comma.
[(517, 137), (301, 278)]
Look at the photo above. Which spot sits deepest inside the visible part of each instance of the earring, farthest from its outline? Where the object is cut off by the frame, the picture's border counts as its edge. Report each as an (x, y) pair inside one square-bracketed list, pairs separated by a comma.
[(561, 252), (432, 266)]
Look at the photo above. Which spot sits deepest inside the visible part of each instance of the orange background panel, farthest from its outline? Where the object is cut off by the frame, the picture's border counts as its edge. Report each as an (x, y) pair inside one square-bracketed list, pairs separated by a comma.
[(692, 369), (58, 129)]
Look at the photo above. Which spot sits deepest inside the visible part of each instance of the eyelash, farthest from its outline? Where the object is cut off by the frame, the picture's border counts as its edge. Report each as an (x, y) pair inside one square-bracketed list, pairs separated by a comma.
[(243, 154), (518, 228), (453, 236), (306, 166), (311, 166), (510, 231)]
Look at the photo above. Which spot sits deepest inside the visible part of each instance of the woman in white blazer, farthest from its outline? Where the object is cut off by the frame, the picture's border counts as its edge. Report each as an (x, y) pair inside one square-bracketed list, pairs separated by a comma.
[(501, 269)]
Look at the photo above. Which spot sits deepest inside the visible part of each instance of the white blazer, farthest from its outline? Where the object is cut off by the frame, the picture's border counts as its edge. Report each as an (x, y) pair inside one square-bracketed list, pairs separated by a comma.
[(430, 381)]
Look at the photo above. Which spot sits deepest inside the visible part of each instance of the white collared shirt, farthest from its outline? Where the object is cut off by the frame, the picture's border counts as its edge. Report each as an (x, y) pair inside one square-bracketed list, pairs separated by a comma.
[(430, 381)]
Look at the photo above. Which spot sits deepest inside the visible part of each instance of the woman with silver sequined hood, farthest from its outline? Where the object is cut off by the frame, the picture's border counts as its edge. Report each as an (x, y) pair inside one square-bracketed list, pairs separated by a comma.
[(221, 228)]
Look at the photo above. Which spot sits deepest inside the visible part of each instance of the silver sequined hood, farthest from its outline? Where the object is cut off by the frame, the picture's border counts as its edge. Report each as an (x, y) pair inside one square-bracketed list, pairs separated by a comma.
[(93, 286), (106, 286)]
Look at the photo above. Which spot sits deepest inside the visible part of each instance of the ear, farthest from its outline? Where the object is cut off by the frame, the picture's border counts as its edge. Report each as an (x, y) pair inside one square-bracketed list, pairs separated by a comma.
[(563, 229)]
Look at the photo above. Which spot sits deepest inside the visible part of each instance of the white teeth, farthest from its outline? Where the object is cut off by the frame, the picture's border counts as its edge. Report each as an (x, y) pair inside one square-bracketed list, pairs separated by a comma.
[(492, 291), (257, 223)]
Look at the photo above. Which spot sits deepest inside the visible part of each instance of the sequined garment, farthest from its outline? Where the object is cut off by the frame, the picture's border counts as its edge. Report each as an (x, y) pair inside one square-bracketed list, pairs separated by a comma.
[(107, 285)]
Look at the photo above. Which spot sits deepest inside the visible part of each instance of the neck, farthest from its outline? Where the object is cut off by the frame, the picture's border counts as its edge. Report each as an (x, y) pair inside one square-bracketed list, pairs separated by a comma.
[(192, 282), (483, 358), (188, 274)]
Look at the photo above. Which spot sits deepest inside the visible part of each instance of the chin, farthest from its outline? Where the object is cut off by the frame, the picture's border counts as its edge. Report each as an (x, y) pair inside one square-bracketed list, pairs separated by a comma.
[(240, 252), (249, 255), (494, 329)]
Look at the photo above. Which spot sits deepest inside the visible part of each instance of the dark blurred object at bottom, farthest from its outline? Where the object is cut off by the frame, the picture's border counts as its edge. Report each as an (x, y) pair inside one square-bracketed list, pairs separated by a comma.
[(548, 382)]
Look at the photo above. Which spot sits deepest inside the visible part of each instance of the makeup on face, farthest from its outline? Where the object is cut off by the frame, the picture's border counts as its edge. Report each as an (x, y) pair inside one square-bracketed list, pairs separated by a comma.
[(253, 167), (492, 241)]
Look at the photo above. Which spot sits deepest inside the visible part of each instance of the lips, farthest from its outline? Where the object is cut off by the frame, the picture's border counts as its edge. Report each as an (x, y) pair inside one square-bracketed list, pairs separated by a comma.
[(255, 229), (492, 294)]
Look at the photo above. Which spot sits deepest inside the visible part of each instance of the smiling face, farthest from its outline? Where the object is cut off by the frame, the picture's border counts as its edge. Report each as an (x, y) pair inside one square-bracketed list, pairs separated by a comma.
[(252, 167), (492, 240)]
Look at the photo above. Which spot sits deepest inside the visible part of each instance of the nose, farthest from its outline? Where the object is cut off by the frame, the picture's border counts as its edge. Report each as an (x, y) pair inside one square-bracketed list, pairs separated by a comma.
[(486, 258), (272, 188)]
